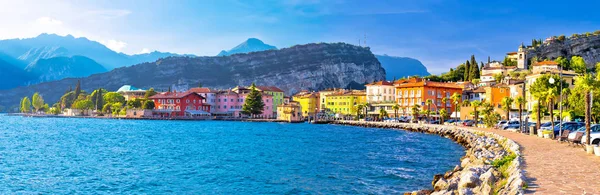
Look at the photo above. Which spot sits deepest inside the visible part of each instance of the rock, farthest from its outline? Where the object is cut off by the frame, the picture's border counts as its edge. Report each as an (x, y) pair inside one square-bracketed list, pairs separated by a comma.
[(468, 179), (443, 192), (436, 178), (488, 177), (441, 184), (466, 191)]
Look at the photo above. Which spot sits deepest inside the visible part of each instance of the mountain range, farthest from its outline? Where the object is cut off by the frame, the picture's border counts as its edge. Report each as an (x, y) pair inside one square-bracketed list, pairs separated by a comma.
[(75, 57), (250, 45)]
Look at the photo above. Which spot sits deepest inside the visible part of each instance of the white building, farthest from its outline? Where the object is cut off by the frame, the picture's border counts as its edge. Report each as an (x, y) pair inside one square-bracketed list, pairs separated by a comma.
[(381, 92)]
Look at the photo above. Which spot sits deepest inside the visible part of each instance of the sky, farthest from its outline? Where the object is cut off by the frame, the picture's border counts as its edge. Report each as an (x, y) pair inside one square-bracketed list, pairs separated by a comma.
[(439, 33)]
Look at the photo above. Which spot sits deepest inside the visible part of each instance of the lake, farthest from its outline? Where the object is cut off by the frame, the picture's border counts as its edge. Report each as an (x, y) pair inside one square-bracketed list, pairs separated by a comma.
[(66, 155)]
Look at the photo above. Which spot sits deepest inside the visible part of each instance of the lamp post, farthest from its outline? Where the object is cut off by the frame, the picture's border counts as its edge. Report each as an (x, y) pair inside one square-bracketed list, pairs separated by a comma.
[(552, 81)]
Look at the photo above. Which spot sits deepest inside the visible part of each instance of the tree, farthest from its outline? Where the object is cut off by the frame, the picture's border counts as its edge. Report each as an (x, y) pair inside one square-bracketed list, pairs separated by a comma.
[(253, 104), (382, 113), (490, 118), (366, 106), (563, 63), (475, 82), (25, 105), (84, 104), (114, 97), (67, 100), (520, 103), (506, 104), (578, 65), (443, 115), (587, 83), (428, 103), (134, 103), (97, 97), (467, 73), (540, 91), (359, 108), (475, 104), (456, 98), (498, 77), (396, 107), (474, 69), (148, 104), (149, 93), (415, 111), (552, 92), (37, 101), (78, 88), (116, 108), (107, 108)]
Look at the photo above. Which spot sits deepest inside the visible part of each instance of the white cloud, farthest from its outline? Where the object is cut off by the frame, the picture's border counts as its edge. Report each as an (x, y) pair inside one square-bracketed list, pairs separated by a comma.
[(145, 50), (114, 45), (48, 21)]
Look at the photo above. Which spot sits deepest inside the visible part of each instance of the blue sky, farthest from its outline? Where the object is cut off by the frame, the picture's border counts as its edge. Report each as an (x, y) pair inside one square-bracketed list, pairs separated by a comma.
[(440, 33)]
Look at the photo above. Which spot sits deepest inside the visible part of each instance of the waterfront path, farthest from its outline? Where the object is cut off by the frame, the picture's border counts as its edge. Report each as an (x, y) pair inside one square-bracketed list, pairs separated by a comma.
[(556, 168)]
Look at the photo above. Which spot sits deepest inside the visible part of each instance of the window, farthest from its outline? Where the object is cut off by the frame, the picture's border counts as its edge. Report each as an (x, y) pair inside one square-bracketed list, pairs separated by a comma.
[(177, 100), (188, 101)]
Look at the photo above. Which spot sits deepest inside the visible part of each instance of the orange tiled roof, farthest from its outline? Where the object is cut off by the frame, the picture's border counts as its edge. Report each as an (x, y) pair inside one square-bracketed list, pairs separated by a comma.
[(381, 83), (201, 90), (430, 84), (545, 63), (511, 53), (174, 95)]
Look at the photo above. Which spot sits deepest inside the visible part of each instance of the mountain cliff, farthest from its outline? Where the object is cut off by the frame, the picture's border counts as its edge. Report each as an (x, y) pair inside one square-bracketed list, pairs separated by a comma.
[(302, 67), (398, 67), (11, 75), (63, 67), (586, 46), (250, 45)]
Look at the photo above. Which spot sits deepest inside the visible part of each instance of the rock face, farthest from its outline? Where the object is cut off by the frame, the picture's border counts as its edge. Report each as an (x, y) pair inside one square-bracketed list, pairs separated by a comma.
[(63, 67), (311, 67), (587, 47)]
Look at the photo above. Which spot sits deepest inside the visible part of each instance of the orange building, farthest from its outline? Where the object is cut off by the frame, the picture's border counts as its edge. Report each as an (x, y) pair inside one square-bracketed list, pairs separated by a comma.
[(417, 91), (496, 93)]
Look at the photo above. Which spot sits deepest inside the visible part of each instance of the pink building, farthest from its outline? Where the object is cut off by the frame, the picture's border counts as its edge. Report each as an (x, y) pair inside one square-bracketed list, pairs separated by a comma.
[(230, 103)]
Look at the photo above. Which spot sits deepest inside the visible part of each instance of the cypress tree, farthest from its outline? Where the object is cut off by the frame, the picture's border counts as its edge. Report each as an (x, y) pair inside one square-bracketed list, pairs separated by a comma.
[(489, 59), (77, 89), (467, 71), (474, 71)]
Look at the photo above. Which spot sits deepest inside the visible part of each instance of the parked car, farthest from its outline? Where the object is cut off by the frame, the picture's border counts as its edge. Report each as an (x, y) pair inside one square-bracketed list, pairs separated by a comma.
[(548, 125), (572, 126), (594, 135), (468, 123), (511, 125), (500, 123)]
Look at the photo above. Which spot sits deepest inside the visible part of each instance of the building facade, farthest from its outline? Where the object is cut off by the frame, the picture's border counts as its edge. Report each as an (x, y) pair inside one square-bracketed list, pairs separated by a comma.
[(309, 101), (131, 92), (345, 102), (291, 112), (416, 91), (208, 94), (178, 104)]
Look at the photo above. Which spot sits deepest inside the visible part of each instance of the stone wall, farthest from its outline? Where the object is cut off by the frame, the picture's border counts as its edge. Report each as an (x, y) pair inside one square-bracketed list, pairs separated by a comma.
[(475, 174)]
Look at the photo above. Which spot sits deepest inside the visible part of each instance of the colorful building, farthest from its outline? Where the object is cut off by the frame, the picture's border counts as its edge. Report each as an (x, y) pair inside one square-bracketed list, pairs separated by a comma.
[(542, 68), (208, 94), (381, 95), (178, 104), (269, 93), (291, 112), (131, 92), (345, 102), (323, 96), (417, 91), (309, 101), (229, 103)]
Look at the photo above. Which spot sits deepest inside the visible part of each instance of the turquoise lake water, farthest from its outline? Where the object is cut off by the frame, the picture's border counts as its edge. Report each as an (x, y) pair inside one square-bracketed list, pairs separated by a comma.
[(65, 156)]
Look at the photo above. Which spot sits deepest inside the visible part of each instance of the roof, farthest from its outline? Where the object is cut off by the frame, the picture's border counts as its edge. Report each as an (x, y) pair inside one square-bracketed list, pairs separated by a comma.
[(511, 53), (479, 90), (129, 88), (201, 90), (174, 95), (268, 88), (349, 93), (499, 68), (380, 83), (545, 63), (430, 84)]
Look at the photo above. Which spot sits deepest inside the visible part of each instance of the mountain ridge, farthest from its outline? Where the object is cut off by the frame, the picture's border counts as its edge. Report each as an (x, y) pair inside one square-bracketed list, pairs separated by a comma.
[(250, 45)]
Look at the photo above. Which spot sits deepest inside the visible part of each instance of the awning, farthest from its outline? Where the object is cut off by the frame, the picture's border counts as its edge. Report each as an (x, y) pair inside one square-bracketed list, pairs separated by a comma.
[(197, 112)]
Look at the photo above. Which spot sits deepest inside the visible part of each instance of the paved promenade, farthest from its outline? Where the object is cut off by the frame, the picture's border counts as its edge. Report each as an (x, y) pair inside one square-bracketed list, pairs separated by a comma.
[(555, 168)]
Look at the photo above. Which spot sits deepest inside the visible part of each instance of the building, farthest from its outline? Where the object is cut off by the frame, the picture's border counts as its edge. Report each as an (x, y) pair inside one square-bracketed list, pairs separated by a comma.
[(345, 102), (380, 92), (415, 91), (520, 56), (229, 103), (138, 113), (291, 112), (270, 110), (541, 68), (273, 91), (323, 97), (517, 89), (474, 94), (309, 101), (495, 94), (208, 94), (179, 104), (131, 92)]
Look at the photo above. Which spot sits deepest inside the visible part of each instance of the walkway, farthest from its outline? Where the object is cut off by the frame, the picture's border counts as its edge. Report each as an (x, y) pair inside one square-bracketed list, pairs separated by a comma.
[(555, 168)]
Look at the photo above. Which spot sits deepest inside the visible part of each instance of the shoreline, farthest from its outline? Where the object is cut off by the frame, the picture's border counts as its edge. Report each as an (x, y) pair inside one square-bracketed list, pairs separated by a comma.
[(147, 118), (475, 174)]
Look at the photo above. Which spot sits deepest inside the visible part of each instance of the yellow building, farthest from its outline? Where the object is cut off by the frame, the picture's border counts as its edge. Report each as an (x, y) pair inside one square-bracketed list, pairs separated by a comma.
[(345, 102), (309, 101), (323, 95), (291, 112)]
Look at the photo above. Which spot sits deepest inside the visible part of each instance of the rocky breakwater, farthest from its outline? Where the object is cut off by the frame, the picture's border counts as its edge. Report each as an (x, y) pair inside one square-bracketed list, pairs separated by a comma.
[(492, 163)]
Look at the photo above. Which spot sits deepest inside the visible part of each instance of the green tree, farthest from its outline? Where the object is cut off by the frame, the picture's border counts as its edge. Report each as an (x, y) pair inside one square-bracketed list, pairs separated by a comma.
[(359, 108), (253, 104), (563, 62), (396, 107), (114, 97), (107, 108), (498, 77), (540, 91), (467, 73), (443, 115), (476, 104), (474, 69), (67, 100), (415, 111), (84, 104), (552, 92), (97, 97), (134, 103), (490, 118), (37, 101), (116, 108), (25, 105), (382, 113), (475, 82), (78, 88), (428, 103), (149, 93), (149, 104), (578, 65), (456, 98), (586, 83), (506, 104)]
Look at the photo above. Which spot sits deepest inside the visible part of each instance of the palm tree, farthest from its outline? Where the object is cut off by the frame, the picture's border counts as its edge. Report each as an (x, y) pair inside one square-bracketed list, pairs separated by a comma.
[(415, 111), (443, 115), (475, 104), (520, 103), (396, 107), (587, 83), (539, 91), (506, 104), (552, 92), (382, 113), (456, 97), (359, 108), (366, 106), (428, 103)]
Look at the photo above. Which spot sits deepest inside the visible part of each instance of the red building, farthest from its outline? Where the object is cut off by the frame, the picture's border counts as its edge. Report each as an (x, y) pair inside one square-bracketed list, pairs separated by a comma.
[(176, 104)]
